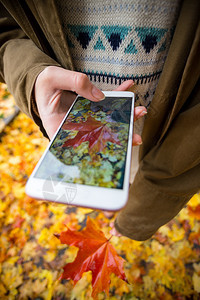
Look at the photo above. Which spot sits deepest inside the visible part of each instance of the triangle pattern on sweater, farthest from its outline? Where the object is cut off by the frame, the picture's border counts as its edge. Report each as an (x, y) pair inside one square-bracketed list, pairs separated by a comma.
[(131, 48), (115, 34), (150, 36), (83, 33)]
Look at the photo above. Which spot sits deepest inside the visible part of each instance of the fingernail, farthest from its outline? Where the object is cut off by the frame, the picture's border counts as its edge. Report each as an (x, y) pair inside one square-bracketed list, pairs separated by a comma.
[(139, 143), (132, 84), (97, 93), (144, 112)]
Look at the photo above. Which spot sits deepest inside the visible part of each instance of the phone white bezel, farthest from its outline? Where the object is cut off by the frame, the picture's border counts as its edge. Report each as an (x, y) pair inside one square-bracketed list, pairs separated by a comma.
[(88, 196)]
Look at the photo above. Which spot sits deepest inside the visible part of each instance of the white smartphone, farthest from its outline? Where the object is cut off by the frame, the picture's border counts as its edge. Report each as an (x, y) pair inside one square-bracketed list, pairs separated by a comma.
[(87, 163)]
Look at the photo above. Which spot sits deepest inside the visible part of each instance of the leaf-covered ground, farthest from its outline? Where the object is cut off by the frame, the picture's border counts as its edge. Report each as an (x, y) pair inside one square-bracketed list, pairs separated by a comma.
[(31, 257), (8, 109)]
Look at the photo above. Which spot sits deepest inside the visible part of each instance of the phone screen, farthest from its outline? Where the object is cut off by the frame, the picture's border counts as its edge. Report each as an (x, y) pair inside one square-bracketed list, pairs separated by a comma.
[(90, 147)]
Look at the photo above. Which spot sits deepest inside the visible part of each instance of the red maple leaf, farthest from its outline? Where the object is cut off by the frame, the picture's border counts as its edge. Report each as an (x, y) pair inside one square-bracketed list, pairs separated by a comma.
[(95, 254), (93, 131)]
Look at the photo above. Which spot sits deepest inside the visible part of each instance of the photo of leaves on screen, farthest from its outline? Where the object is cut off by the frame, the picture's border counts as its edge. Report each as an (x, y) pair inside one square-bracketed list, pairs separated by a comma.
[(91, 145)]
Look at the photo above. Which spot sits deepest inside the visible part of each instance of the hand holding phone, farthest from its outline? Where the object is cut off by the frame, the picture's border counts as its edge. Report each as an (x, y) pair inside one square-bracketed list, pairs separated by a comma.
[(56, 89), (88, 161)]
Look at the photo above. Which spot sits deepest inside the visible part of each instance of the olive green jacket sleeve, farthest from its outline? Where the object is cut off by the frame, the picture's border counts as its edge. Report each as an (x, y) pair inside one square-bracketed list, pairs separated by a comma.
[(169, 169), (20, 63)]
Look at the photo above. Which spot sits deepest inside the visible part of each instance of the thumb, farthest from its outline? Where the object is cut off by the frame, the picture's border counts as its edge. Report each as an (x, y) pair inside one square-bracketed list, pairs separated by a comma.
[(78, 82)]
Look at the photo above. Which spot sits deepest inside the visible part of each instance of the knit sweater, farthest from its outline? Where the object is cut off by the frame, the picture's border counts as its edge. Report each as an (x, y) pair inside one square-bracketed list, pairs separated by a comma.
[(115, 40)]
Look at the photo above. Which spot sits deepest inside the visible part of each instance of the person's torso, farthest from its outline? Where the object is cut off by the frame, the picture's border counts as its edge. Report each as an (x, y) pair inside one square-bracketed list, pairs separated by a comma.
[(112, 41)]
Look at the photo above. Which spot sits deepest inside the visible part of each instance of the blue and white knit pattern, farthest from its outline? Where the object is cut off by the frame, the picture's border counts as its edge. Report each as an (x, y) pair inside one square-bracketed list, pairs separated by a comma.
[(112, 41)]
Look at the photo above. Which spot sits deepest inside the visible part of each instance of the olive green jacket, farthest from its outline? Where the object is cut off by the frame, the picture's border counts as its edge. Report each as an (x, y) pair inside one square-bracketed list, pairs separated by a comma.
[(31, 38)]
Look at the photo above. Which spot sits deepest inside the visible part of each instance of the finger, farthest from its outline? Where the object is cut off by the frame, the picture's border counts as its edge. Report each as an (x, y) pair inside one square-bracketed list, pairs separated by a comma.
[(137, 140), (108, 214), (125, 85), (139, 112), (113, 231), (77, 82)]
